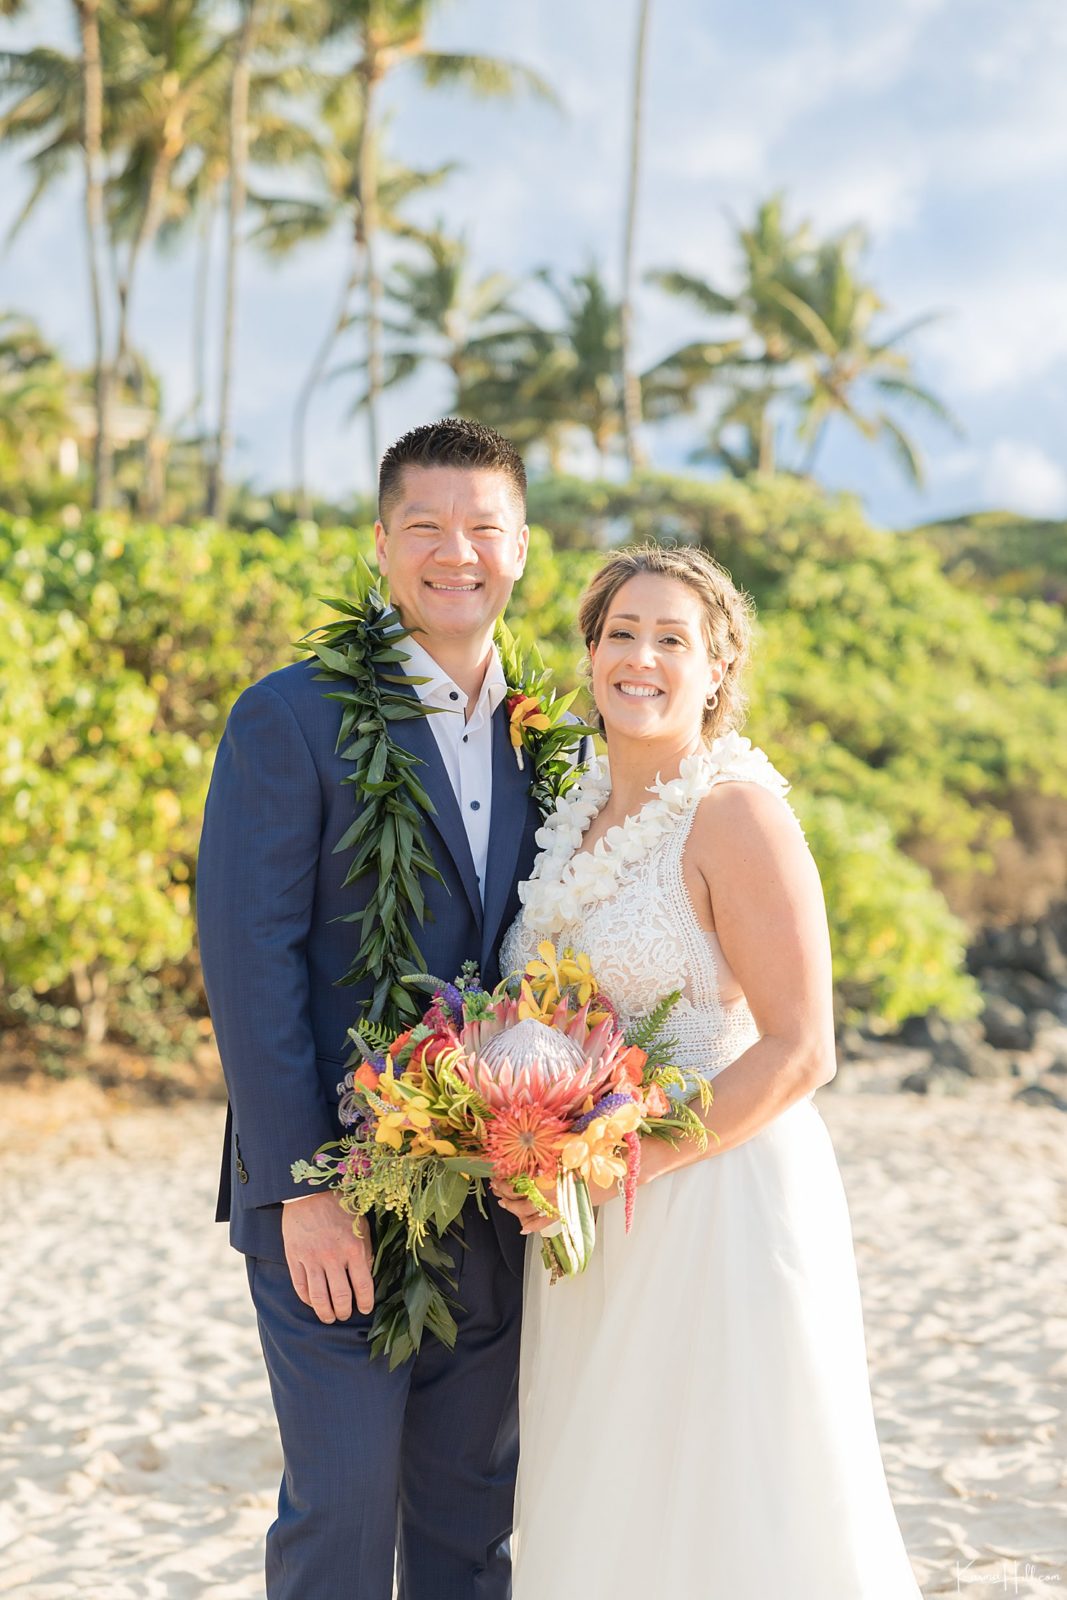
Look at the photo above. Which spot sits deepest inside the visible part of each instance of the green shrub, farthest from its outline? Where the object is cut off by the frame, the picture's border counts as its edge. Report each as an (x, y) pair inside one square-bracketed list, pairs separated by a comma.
[(910, 712)]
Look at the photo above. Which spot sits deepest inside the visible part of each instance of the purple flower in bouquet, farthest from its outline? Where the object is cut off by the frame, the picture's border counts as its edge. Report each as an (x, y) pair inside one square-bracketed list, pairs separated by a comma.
[(603, 1108)]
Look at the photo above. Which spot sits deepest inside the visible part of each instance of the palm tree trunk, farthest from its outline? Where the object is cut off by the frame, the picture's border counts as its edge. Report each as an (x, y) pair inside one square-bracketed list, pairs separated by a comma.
[(631, 384), (311, 383), (90, 984), (368, 190), (813, 450), (194, 411), (147, 227), (216, 502), (199, 328), (88, 12), (765, 460)]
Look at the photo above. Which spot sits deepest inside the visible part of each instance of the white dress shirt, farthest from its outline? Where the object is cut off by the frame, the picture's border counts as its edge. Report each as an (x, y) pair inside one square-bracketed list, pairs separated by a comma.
[(465, 742)]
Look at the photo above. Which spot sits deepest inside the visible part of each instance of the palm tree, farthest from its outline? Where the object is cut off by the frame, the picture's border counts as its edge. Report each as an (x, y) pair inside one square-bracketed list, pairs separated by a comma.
[(35, 396), (744, 433), (749, 361), (442, 314), (164, 64), (846, 364), (65, 99), (800, 342), (289, 222), (542, 383), (88, 12), (178, 69), (237, 126), (631, 383), (275, 138), (390, 34)]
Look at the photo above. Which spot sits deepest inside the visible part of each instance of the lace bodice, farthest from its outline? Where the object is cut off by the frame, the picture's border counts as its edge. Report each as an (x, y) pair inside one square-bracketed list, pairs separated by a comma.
[(625, 904)]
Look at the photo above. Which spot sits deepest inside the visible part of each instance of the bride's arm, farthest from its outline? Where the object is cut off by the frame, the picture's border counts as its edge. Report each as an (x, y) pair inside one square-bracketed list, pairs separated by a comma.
[(747, 855), (751, 875)]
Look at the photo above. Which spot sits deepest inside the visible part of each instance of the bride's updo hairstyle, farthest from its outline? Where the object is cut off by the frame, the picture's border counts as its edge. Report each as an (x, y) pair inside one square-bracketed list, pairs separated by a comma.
[(728, 616)]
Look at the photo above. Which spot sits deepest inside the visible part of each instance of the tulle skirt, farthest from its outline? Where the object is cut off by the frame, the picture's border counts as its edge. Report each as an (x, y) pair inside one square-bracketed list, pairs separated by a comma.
[(696, 1418)]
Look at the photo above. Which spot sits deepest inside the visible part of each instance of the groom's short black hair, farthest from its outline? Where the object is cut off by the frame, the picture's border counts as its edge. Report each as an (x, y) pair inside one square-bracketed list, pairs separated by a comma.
[(452, 442)]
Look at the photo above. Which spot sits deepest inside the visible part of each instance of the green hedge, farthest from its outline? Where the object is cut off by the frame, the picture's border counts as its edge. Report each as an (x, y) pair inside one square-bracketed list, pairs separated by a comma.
[(905, 709)]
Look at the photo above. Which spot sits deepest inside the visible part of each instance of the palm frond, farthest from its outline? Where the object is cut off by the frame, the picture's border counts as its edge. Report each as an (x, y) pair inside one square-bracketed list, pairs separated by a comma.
[(700, 294), (488, 76), (907, 457), (914, 394)]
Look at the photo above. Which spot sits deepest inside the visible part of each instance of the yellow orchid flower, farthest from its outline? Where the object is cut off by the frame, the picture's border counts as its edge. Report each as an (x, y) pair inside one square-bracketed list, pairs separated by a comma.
[(530, 1008), (524, 712), (592, 1152), (576, 972), (607, 1170), (390, 1130), (627, 1119), (546, 970), (425, 1144), (409, 1102), (595, 1162)]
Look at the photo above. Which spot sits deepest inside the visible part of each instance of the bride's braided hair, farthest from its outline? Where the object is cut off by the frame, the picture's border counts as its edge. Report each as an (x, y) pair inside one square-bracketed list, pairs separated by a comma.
[(728, 615)]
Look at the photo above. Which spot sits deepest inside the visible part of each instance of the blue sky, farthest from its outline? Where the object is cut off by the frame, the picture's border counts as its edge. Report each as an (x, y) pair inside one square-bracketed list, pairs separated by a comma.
[(940, 124)]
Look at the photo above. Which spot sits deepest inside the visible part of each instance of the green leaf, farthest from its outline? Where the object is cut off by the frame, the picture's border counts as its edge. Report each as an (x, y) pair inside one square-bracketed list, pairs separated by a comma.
[(471, 1165), (450, 1190), (388, 855), (332, 658), (417, 1293), (440, 1321), (355, 832), (376, 769)]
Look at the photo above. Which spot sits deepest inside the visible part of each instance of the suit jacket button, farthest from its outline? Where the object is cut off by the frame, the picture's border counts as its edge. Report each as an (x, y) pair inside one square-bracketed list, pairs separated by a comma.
[(241, 1173)]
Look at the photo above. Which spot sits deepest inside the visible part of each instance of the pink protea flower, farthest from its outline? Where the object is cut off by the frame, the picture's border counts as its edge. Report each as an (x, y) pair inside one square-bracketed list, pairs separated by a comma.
[(514, 1062)]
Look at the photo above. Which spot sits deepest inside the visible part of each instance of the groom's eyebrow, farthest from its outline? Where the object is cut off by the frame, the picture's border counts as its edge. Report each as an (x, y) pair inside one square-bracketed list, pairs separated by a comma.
[(408, 512)]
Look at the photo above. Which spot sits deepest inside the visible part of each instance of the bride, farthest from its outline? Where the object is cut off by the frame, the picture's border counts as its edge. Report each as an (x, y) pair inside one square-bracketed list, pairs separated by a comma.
[(695, 1410)]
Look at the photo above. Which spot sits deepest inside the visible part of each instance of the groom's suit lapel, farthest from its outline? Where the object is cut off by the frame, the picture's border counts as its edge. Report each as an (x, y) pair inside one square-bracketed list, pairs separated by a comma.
[(416, 736), (508, 817)]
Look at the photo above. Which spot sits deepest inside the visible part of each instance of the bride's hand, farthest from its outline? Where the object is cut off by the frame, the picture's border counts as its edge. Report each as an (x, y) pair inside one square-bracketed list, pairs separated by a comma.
[(530, 1219)]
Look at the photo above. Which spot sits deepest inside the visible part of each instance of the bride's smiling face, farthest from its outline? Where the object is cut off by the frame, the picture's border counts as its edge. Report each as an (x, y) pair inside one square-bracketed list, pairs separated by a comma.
[(652, 673)]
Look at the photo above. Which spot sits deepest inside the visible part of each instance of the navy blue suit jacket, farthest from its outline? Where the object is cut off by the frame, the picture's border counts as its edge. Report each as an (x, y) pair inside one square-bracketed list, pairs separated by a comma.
[(269, 892)]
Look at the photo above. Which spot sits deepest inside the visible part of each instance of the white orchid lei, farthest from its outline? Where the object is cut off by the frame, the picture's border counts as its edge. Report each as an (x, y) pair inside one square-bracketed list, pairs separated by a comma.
[(563, 884)]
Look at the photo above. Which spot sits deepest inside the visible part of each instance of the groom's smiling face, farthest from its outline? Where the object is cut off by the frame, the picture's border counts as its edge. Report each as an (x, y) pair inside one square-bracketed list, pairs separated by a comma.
[(452, 544)]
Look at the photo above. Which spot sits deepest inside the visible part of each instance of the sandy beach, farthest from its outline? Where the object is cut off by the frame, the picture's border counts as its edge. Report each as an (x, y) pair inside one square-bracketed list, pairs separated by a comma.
[(138, 1455)]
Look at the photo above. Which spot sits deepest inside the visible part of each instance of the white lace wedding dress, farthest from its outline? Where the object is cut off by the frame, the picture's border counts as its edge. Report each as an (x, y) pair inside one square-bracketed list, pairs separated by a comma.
[(696, 1419)]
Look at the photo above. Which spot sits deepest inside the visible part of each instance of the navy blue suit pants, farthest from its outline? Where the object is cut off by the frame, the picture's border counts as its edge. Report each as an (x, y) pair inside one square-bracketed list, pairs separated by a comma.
[(422, 1458)]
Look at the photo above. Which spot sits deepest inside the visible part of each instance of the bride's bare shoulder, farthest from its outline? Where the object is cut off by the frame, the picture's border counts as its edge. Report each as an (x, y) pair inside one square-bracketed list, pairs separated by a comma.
[(737, 813)]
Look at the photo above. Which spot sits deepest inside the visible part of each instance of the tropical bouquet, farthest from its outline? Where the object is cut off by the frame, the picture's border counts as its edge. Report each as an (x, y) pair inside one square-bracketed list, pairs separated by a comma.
[(535, 1083)]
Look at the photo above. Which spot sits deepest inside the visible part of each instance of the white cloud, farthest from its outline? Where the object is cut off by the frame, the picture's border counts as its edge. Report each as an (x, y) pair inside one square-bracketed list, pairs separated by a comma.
[(1019, 476), (1000, 332), (732, 132), (1010, 474), (882, 194)]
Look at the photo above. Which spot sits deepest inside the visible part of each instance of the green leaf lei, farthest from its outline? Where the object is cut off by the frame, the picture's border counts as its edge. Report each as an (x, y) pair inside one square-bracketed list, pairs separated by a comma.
[(360, 652)]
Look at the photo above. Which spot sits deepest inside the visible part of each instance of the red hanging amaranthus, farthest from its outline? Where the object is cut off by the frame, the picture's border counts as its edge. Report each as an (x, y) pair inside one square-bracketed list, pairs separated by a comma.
[(632, 1142)]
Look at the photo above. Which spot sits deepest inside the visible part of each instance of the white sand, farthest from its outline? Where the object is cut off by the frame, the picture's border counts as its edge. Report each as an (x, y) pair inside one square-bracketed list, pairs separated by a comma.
[(138, 1455)]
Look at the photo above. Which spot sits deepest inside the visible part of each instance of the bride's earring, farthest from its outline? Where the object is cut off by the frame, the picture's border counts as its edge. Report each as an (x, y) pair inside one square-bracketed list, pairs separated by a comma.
[(711, 701)]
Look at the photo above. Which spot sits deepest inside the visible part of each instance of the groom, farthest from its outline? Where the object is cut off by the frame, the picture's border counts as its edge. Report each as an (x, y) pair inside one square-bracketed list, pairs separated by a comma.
[(422, 1459)]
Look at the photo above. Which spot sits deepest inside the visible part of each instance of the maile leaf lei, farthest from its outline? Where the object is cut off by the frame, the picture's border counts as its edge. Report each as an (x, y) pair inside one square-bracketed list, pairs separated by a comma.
[(362, 653)]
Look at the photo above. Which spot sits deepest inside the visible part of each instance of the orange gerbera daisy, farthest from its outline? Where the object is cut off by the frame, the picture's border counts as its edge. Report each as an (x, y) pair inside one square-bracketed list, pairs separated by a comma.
[(525, 1141)]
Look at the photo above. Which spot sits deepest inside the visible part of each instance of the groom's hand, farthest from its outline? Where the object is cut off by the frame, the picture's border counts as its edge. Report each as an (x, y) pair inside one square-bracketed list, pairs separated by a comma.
[(327, 1259)]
